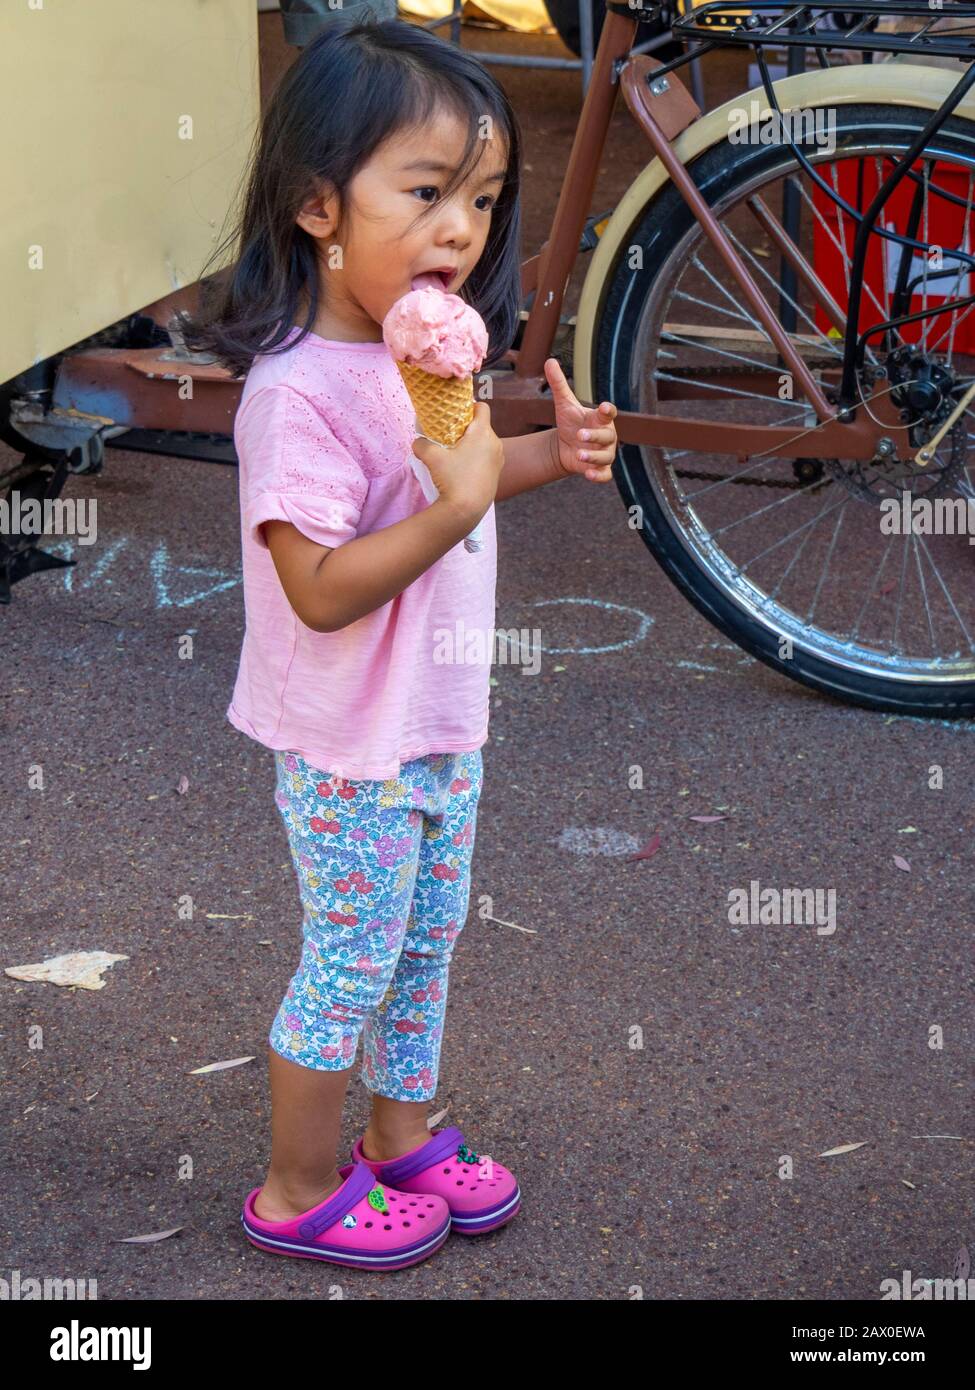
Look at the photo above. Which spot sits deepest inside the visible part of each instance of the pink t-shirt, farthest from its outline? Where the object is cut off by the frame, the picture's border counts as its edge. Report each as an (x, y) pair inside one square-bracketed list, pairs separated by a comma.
[(324, 436)]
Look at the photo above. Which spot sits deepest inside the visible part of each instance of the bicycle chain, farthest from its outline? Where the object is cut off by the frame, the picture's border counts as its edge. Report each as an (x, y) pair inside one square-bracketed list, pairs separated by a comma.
[(749, 482)]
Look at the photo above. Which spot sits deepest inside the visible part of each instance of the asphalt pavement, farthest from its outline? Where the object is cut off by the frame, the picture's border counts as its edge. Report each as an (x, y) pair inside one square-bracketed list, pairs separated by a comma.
[(650, 1158)]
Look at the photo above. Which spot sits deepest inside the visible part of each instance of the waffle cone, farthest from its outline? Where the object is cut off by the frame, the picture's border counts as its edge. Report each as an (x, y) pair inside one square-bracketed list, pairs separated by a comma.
[(444, 405)]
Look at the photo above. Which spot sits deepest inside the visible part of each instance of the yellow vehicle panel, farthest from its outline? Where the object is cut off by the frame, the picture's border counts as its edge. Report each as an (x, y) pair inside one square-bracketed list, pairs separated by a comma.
[(128, 123)]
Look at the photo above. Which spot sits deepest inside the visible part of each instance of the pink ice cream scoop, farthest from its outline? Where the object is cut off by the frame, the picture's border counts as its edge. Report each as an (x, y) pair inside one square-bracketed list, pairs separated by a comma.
[(436, 332)]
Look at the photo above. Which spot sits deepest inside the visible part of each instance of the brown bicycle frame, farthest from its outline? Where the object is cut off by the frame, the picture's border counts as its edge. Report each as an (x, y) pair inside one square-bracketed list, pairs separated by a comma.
[(519, 401)]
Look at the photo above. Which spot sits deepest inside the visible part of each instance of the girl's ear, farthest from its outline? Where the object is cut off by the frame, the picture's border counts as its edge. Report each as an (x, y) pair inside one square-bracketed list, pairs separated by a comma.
[(318, 215)]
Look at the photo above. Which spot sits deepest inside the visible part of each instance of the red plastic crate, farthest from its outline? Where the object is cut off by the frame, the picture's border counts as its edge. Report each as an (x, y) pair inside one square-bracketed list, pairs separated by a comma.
[(946, 227)]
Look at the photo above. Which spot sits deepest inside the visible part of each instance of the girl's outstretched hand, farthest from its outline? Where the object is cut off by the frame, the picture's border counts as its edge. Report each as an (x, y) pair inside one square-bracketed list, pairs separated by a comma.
[(587, 439)]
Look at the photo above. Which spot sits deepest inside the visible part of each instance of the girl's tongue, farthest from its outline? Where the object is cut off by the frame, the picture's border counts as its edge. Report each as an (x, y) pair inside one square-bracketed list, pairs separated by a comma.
[(427, 281)]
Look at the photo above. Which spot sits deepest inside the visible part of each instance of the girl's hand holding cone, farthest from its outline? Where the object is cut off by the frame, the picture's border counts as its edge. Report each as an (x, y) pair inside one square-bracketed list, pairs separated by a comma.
[(467, 474)]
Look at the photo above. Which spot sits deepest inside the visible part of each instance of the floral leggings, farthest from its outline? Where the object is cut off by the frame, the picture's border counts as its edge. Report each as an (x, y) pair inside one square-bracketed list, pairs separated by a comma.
[(384, 876)]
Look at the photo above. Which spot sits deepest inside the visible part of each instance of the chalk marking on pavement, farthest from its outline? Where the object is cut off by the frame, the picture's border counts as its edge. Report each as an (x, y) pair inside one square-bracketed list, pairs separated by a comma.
[(161, 569), (646, 622), (66, 550), (957, 726), (157, 566)]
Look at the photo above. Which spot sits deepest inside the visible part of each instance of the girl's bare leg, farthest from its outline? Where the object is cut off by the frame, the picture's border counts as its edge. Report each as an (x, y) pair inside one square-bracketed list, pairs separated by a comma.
[(396, 1127), (306, 1120)]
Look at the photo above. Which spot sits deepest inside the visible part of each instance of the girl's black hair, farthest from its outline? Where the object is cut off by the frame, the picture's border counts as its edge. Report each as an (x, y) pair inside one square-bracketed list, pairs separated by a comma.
[(356, 84)]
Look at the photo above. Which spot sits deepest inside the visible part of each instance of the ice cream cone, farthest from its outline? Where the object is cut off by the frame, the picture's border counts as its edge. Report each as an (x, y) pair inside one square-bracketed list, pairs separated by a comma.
[(443, 332), (444, 405)]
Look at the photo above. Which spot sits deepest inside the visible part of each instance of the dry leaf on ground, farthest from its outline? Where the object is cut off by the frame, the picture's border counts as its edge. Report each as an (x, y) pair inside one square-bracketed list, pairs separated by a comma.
[(220, 1066), (648, 850), (148, 1240)]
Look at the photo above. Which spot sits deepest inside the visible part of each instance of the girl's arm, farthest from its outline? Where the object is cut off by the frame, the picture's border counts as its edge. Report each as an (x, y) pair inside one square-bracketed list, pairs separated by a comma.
[(529, 461), (330, 588)]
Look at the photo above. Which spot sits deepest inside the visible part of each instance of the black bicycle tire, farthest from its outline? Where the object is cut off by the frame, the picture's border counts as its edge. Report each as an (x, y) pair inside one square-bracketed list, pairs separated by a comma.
[(661, 224)]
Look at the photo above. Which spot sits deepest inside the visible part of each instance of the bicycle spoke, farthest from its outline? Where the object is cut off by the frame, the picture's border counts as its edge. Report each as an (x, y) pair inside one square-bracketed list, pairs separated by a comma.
[(710, 305), (826, 344), (762, 511), (944, 589), (829, 555), (697, 264), (813, 521), (796, 557), (900, 596), (924, 594), (878, 169), (673, 337), (955, 289), (855, 631), (906, 251), (841, 247), (736, 391)]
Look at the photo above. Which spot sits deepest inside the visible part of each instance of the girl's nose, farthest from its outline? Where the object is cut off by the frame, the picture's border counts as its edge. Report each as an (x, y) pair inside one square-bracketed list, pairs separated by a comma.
[(455, 223)]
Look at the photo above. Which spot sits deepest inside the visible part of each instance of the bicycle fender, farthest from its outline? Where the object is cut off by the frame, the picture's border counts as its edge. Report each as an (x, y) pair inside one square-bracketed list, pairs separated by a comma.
[(901, 84)]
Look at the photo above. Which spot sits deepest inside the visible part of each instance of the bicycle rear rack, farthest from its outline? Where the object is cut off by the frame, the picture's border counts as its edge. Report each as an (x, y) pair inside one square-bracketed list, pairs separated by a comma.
[(724, 23)]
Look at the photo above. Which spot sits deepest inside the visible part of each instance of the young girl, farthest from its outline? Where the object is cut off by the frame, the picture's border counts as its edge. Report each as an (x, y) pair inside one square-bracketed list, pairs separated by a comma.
[(385, 153)]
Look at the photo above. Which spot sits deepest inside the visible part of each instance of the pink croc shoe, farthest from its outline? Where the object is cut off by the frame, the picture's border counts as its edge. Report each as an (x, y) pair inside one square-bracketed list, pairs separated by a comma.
[(481, 1193), (364, 1223)]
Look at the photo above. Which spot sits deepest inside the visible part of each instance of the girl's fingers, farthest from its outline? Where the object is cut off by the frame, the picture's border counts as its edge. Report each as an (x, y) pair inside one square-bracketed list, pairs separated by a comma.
[(599, 458), (601, 462), (557, 380), (598, 442), (598, 423)]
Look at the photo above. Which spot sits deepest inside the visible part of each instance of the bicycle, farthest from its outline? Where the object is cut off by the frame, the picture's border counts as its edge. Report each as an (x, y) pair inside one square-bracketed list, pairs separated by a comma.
[(771, 423)]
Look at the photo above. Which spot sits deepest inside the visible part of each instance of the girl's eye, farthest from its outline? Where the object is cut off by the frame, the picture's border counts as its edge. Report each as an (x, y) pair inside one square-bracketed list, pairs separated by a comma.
[(430, 188)]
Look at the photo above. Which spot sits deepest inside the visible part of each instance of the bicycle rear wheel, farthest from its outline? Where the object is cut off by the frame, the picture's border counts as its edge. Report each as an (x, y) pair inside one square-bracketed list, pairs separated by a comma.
[(791, 559)]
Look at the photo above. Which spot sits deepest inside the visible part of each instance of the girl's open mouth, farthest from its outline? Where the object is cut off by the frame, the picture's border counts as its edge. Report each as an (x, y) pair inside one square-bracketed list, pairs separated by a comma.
[(432, 279)]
